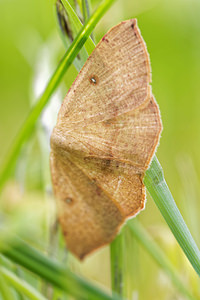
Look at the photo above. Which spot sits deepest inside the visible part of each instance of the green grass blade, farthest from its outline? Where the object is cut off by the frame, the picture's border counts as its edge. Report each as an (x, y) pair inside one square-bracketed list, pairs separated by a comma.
[(5, 290), (89, 44), (158, 255), (86, 8), (68, 58), (54, 273), (160, 193), (69, 30), (21, 286), (66, 33), (117, 264)]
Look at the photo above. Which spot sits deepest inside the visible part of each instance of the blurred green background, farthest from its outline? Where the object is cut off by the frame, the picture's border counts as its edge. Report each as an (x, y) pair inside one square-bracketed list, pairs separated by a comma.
[(171, 29)]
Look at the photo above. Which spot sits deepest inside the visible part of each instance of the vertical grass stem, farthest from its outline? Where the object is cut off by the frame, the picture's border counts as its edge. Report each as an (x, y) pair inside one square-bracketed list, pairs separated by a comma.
[(160, 193)]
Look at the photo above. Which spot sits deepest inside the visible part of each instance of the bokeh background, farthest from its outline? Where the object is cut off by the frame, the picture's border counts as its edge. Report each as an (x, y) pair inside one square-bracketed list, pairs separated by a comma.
[(171, 28)]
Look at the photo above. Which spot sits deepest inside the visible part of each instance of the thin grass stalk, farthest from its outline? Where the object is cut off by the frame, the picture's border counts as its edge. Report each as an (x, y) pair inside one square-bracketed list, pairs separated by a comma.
[(117, 264), (160, 193), (89, 44), (70, 30), (158, 255), (63, 25), (86, 10), (34, 114), (5, 290), (54, 273), (21, 286)]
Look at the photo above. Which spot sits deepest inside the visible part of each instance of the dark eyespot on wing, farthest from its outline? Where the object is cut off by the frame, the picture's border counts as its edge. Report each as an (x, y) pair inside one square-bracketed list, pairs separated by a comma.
[(69, 200), (94, 79)]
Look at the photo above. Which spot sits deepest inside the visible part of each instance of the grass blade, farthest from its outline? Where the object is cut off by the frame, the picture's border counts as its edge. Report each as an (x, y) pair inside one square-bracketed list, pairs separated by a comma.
[(54, 273), (117, 264), (66, 61), (160, 193), (89, 44), (86, 10), (21, 286), (158, 255), (5, 290), (67, 34), (69, 31)]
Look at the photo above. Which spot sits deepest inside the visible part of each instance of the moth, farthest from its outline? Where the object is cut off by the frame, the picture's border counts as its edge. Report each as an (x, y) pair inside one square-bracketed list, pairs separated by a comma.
[(107, 131)]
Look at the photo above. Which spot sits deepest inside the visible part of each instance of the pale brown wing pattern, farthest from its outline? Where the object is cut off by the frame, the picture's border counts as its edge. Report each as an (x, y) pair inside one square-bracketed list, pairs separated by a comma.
[(121, 155), (120, 181), (114, 80), (129, 137), (107, 131), (89, 218)]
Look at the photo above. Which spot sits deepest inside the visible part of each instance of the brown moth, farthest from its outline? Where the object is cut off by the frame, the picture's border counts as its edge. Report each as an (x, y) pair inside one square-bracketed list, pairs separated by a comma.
[(106, 134)]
